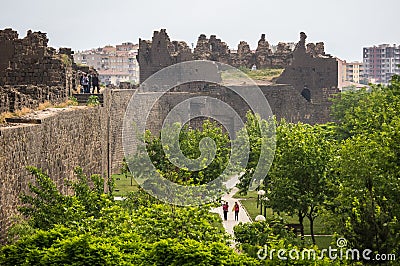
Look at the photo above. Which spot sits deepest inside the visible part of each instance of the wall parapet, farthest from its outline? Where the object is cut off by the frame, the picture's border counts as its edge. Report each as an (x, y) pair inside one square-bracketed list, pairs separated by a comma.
[(64, 139)]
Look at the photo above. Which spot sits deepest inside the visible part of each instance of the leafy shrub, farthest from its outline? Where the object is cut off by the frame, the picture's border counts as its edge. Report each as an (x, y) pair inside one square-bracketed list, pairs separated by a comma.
[(93, 101)]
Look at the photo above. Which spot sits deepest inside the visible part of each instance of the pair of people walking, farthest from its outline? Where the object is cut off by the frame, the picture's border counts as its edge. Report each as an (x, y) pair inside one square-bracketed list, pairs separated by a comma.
[(225, 208)]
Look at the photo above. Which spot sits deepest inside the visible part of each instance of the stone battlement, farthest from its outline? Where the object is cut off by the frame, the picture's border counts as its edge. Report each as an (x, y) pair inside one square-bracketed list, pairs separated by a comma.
[(161, 52), (30, 69)]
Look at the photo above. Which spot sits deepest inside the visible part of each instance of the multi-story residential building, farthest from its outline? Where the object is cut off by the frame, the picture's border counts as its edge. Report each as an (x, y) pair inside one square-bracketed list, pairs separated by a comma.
[(355, 72), (381, 62), (114, 64), (350, 75)]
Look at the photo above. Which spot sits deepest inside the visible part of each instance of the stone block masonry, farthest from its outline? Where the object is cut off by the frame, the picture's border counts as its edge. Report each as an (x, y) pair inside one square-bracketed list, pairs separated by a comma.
[(16, 97), (161, 52), (31, 70), (64, 139), (115, 102)]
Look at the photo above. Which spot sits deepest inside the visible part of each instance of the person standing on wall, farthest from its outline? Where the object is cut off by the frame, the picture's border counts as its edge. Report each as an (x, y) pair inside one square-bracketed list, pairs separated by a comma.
[(90, 82), (95, 83), (85, 83), (80, 82)]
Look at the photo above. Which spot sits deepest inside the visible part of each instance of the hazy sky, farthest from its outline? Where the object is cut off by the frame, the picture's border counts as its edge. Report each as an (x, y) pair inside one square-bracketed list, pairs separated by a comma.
[(345, 26)]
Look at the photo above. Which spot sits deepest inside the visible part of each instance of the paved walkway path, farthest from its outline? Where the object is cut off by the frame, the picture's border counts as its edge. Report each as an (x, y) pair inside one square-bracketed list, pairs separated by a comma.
[(243, 216), (230, 223)]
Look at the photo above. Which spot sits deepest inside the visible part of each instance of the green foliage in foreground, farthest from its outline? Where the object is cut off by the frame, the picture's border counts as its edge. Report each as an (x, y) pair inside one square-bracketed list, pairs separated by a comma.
[(63, 246), (89, 228), (259, 239), (365, 207), (45, 206)]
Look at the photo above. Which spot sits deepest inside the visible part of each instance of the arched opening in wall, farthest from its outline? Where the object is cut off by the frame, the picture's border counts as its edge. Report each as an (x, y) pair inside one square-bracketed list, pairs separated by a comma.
[(306, 93)]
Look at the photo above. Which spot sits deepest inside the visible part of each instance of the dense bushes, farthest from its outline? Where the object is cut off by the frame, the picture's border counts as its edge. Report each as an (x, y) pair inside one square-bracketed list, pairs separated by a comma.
[(89, 228)]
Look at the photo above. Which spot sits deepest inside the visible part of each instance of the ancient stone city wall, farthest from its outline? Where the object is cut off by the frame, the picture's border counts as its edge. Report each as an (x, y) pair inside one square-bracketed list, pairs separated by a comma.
[(31, 72), (64, 139), (285, 102), (161, 52)]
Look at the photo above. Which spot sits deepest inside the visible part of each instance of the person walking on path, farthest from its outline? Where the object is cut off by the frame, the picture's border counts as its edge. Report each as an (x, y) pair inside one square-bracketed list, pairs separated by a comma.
[(229, 224), (236, 210), (225, 208)]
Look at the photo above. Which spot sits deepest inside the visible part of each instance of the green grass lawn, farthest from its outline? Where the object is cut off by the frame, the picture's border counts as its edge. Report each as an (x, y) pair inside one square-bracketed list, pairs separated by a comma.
[(123, 185), (250, 203), (249, 195)]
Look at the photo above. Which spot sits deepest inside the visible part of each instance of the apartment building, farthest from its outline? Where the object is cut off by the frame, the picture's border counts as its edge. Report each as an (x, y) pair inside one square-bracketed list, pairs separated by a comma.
[(113, 63), (355, 72), (381, 62)]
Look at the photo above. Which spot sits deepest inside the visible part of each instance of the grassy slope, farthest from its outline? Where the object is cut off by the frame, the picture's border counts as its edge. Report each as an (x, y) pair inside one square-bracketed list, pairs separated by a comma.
[(236, 77)]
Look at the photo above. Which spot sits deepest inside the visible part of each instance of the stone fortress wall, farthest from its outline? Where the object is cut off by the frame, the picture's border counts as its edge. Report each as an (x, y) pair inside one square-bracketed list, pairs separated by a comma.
[(61, 140), (160, 52), (31, 72), (57, 139)]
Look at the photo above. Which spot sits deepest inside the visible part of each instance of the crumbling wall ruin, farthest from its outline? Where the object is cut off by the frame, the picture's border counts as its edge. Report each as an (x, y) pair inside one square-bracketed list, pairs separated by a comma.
[(312, 73), (211, 49), (159, 53), (301, 93), (162, 52), (31, 72), (243, 57)]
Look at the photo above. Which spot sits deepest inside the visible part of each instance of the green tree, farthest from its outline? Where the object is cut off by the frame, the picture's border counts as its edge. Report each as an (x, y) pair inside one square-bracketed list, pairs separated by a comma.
[(260, 134), (365, 111), (366, 207), (45, 206), (298, 176), (165, 158)]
